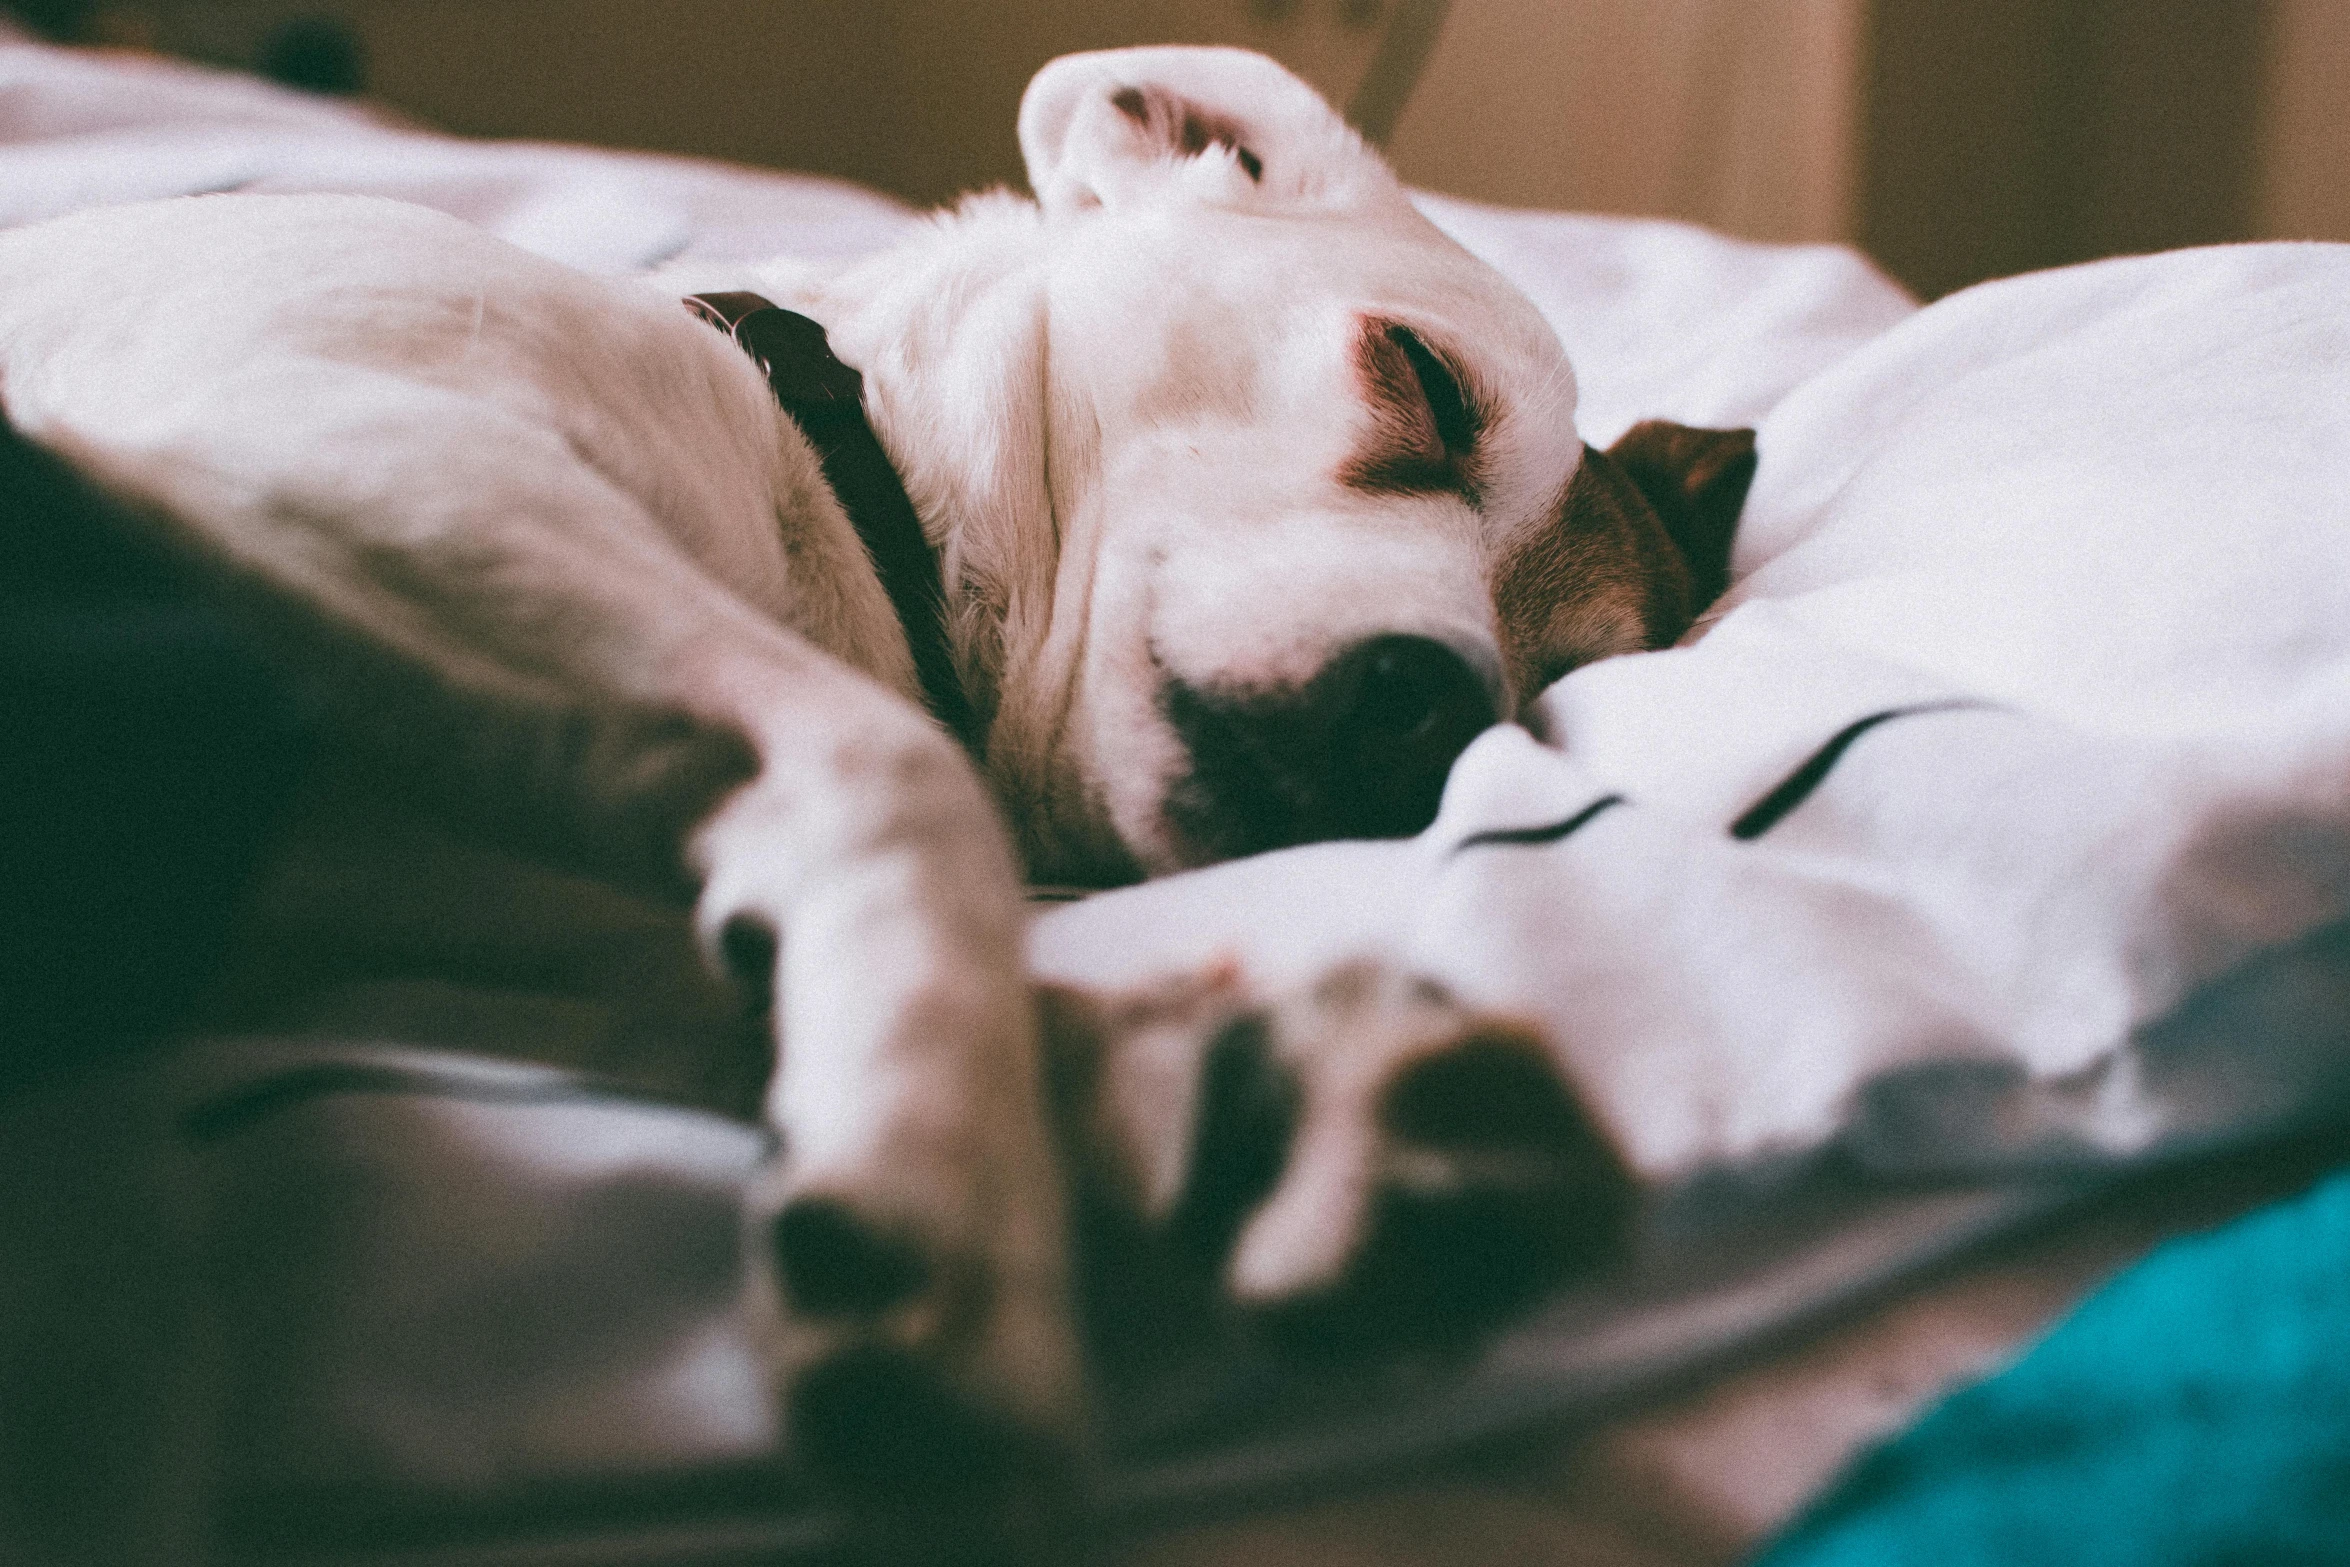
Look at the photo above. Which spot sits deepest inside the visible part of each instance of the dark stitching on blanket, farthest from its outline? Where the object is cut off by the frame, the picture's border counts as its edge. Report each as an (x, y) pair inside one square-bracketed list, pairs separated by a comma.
[(235, 1111), (1549, 833), (1774, 807)]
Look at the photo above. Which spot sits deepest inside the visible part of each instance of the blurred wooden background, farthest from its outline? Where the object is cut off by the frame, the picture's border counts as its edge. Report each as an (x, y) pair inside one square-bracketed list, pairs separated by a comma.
[(1954, 139)]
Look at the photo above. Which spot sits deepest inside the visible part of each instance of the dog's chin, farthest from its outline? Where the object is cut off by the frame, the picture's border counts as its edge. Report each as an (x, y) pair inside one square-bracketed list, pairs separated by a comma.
[(1210, 813), (1087, 851), (1120, 853)]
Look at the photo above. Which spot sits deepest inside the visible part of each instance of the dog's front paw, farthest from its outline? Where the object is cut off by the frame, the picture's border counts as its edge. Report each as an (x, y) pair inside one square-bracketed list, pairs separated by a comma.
[(1359, 1166), (907, 1243), (924, 1362)]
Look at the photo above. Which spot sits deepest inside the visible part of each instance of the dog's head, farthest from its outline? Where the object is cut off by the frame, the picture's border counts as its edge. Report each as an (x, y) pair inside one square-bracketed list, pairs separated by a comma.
[(1319, 512)]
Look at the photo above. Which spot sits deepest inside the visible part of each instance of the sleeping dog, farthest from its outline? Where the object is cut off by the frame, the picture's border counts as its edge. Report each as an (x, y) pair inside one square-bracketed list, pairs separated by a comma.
[(1238, 500)]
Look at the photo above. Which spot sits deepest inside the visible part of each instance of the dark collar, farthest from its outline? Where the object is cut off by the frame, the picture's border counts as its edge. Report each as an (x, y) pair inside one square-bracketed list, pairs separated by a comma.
[(826, 399)]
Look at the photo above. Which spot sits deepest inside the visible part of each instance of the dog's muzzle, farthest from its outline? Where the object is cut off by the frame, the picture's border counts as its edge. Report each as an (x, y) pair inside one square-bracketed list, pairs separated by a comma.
[(1359, 751)]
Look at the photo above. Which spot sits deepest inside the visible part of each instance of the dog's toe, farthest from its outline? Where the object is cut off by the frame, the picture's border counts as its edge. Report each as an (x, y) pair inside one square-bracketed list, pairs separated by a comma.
[(835, 1263), (921, 1387), (1442, 1178)]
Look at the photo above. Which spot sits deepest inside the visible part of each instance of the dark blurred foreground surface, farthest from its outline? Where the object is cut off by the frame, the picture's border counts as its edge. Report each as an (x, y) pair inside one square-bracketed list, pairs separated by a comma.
[(146, 751)]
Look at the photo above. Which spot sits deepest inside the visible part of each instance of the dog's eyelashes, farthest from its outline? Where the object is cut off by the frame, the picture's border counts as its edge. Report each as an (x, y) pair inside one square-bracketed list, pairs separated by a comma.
[(1426, 421), (1455, 422)]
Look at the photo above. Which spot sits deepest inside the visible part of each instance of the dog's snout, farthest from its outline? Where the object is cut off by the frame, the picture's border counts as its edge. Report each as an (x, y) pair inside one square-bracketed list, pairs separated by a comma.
[(1398, 709), (1359, 751)]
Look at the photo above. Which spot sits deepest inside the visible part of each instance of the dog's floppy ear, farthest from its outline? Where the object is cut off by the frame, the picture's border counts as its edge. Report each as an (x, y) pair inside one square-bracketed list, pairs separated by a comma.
[(1223, 126), (1696, 480), (1639, 548)]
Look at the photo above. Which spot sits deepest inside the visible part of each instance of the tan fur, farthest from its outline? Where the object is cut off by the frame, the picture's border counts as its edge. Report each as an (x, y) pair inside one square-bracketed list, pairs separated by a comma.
[(1601, 579)]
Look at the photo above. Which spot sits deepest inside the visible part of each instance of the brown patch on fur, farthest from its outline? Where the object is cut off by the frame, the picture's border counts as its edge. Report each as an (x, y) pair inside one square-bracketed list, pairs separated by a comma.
[(1639, 547), (1602, 577), (1426, 419), (1184, 127), (1697, 481)]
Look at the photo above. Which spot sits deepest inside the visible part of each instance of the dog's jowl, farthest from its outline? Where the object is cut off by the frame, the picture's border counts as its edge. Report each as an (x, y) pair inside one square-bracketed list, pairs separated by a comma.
[(1236, 500)]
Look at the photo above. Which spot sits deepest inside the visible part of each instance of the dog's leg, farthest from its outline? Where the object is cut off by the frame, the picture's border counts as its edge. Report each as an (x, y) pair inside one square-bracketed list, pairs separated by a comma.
[(1357, 1165), (915, 1212), (509, 627)]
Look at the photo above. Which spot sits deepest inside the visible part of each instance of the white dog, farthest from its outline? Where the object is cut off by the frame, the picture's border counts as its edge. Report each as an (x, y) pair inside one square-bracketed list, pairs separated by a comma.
[(1251, 498)]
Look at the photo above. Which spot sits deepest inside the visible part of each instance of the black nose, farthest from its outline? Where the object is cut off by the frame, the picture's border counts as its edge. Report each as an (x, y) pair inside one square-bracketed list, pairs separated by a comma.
[(1399, 710), (1360, 751)]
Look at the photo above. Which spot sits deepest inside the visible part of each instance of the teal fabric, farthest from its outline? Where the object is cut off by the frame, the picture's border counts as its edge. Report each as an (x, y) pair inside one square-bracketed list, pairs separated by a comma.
[(2194, 1411)]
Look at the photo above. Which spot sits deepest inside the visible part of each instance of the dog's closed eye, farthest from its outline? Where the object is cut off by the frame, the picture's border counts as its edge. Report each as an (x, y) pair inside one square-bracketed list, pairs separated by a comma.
[(1425, 421)]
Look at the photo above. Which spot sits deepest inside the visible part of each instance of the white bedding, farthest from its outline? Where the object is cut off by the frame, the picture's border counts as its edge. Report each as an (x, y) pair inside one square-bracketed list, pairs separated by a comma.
[(2093, 519)]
